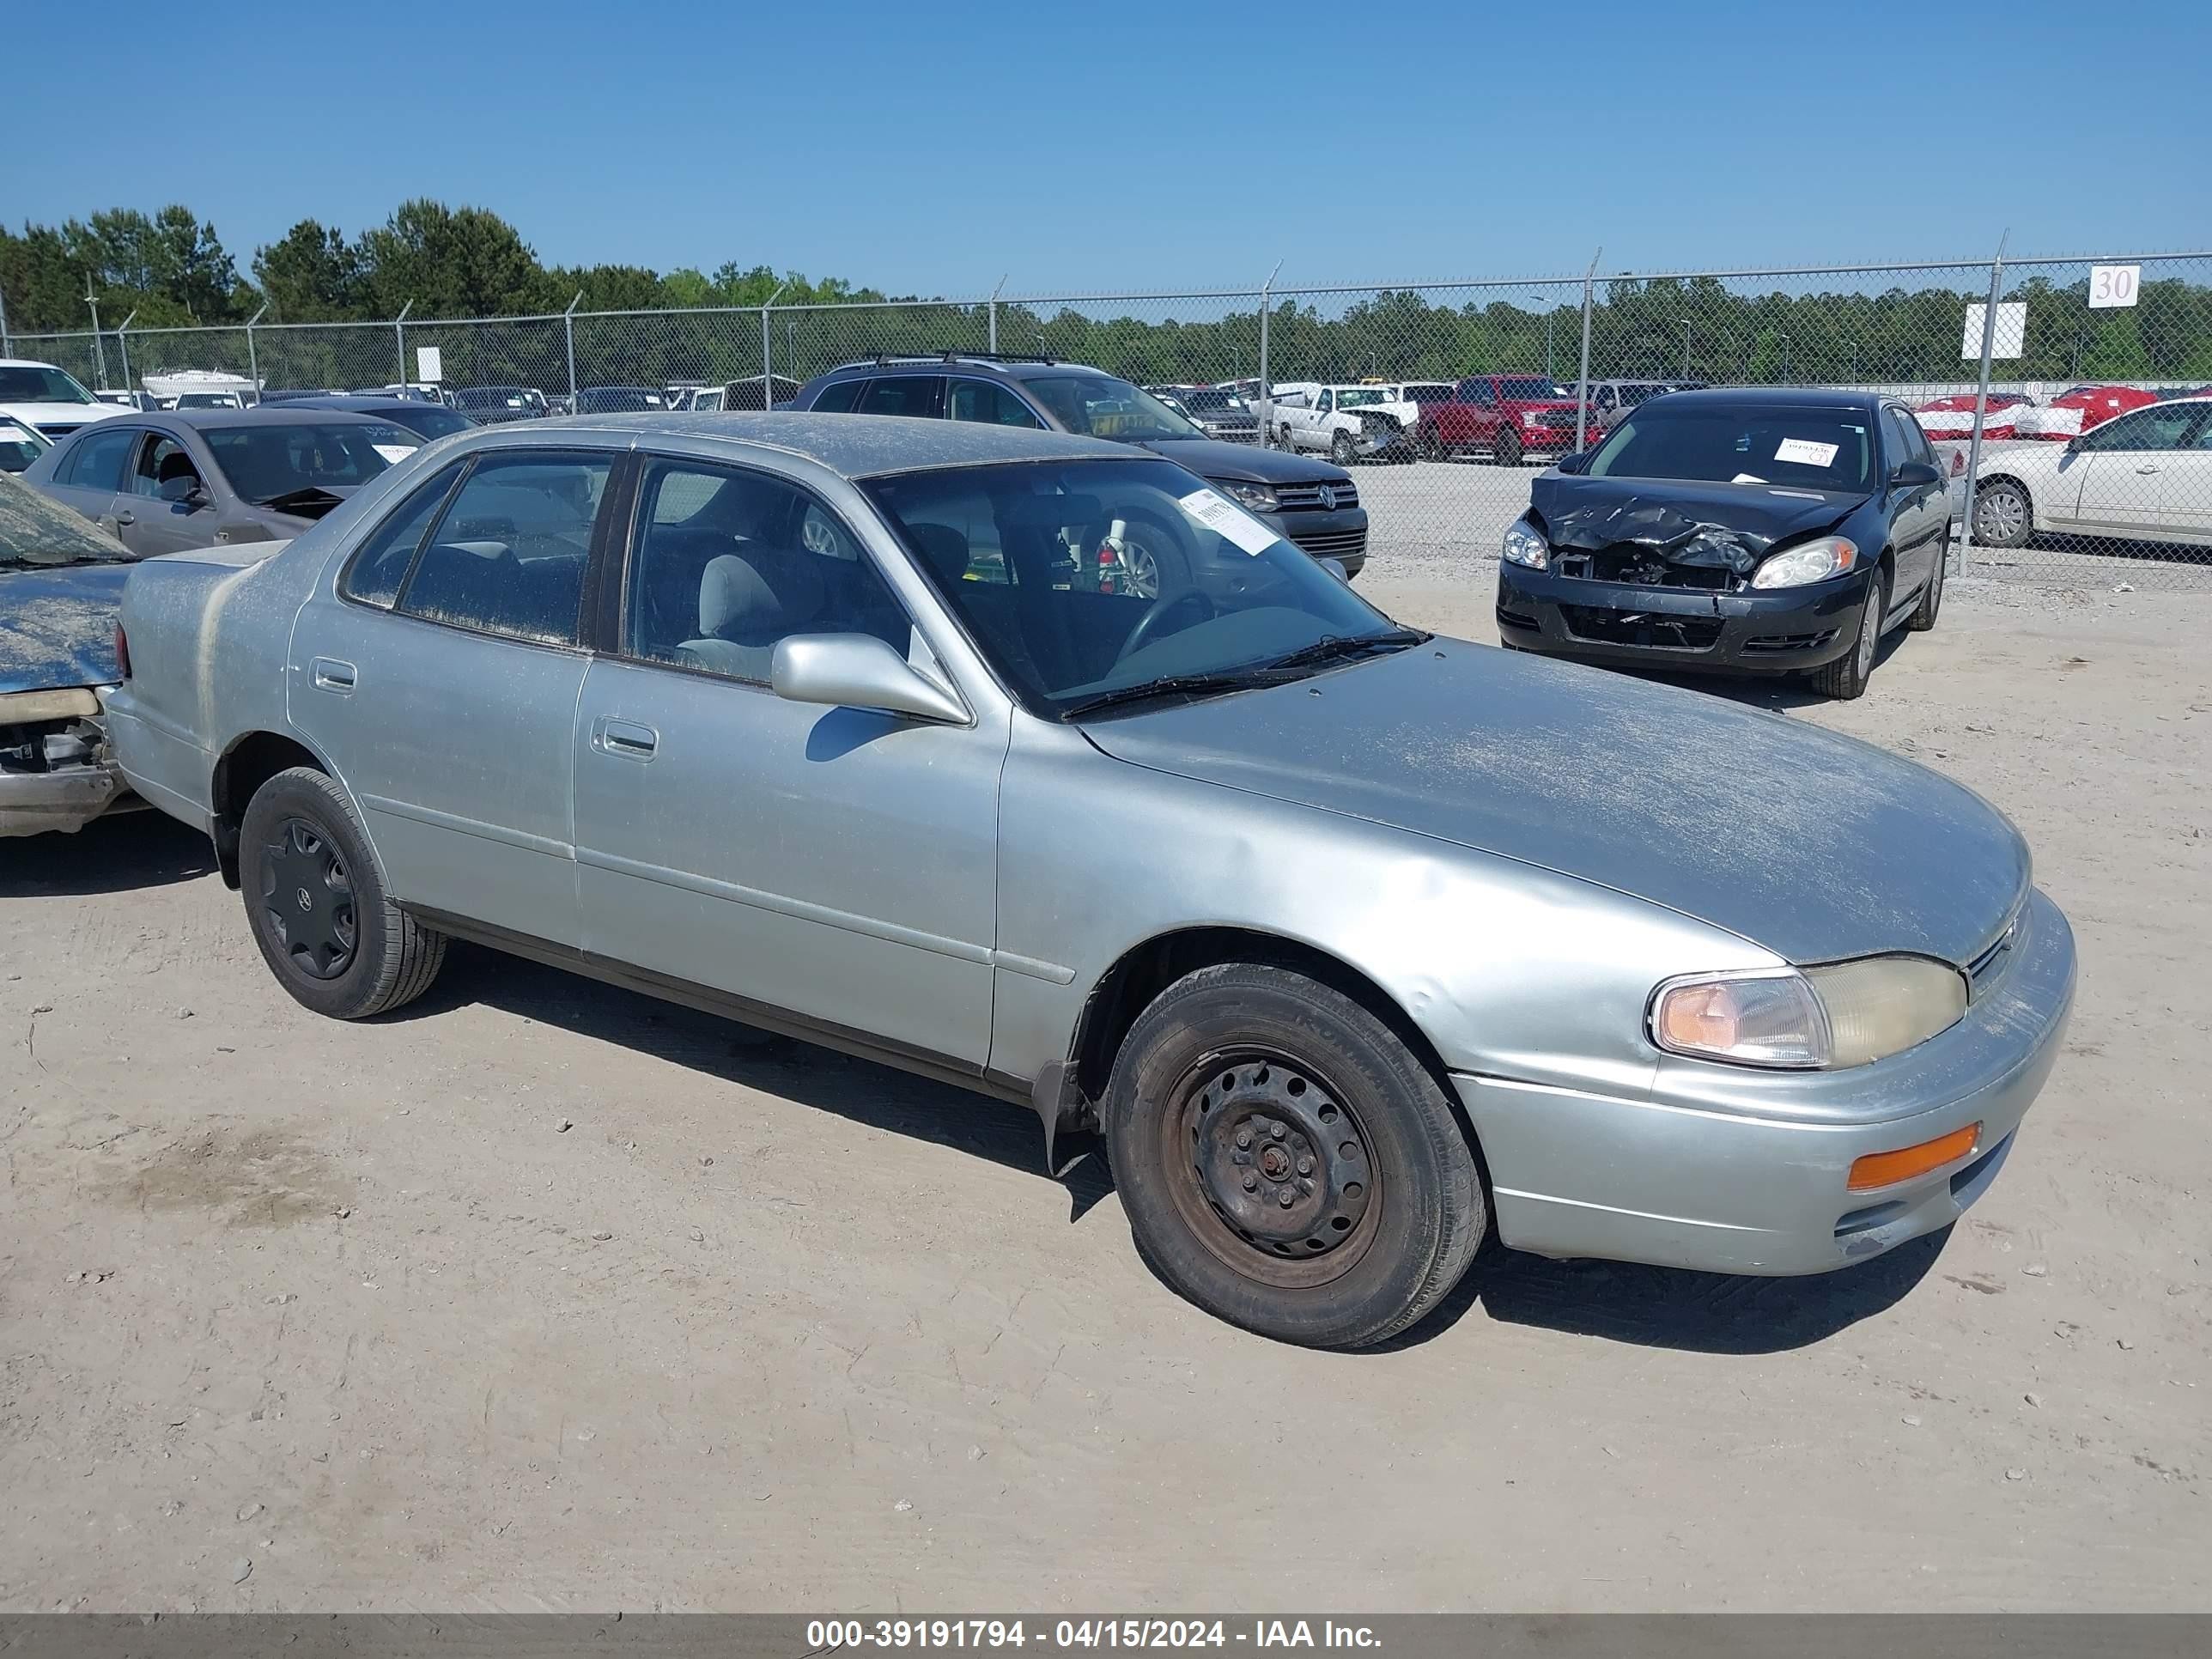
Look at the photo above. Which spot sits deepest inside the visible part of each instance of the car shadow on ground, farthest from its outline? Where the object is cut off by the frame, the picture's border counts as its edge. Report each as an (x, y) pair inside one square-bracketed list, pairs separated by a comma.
[(1672, 1308), (113, 855), (879, 1096)]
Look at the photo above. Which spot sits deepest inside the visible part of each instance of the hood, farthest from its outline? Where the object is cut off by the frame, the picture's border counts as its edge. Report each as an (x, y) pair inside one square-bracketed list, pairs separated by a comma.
[(1814, 845), (42, 416), (1731, 526), (1246, 463), (57, 626)]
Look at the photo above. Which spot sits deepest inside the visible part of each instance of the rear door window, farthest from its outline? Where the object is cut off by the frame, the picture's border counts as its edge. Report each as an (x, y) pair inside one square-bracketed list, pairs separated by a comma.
[(97, 462), (921, 395), (507, 557)]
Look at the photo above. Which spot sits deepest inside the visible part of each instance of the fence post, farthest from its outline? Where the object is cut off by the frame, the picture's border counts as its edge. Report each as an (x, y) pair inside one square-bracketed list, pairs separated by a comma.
[(123, 345), (994, 346), (400, 336), (1982, 397), (98, 345), (1582, 383), (1267, 381), (253, 357), (768, 381), (5, 351), (568, 337)]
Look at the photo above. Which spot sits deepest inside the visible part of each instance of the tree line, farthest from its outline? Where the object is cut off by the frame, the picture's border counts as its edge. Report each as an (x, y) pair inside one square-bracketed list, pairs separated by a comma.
[(171, 269)]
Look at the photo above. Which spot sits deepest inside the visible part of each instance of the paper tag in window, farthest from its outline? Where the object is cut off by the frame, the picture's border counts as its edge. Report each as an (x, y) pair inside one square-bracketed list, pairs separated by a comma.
[(1747, 477), (1805, 452), (395, 453), (1227, 520)]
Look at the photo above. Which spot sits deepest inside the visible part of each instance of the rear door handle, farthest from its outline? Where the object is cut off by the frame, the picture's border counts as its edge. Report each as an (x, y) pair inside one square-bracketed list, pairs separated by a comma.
[(331, 675), (626, 738), (2145, 468)]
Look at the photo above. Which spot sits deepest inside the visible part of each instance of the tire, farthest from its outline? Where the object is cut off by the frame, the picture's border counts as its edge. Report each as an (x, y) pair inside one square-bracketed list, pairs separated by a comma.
[(2004, 513), (1395, 1207), (1427, 446), (318, 905), (1342, 449), (1845, 678), (1505, 447), (1931, 597), (1284, 433)]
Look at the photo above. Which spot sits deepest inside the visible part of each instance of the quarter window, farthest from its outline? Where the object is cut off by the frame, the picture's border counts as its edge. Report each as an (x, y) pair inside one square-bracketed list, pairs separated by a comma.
[(379, 566), (97, 461), (738, 562), (839, 397), (507, 557)]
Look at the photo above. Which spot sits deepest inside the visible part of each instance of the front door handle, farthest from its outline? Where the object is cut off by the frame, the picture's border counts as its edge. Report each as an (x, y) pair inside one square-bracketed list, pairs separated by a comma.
[(332, 675), (126, 518), (625, 739), (2147, 469)]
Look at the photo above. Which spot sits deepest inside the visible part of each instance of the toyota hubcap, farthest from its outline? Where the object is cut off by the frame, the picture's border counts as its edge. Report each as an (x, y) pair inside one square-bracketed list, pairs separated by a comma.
[(309, 900)]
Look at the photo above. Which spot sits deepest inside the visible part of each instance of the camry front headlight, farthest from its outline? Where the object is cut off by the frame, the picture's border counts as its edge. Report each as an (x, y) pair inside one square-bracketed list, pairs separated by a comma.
[(1847, 1013), (1808, 562), (1524, 545), (1249, 495)]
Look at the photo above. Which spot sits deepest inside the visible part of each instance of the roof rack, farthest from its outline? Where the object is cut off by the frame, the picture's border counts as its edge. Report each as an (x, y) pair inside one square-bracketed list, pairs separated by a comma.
[(883, 359)]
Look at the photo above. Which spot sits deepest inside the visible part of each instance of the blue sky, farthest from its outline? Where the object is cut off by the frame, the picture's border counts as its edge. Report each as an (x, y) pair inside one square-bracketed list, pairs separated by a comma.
[(932, 148)]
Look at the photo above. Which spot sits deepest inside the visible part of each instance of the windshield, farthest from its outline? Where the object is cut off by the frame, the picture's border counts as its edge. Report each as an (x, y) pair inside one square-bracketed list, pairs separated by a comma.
[(1077, 580), (1527, 388), (617, 400), (1207, 399), (1810, 448), (491, 397), (1102, 407), (36, 383), (268, 463), (1358, 397)]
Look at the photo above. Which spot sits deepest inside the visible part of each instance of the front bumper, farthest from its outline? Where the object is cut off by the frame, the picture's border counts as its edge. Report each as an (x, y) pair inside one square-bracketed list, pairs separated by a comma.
[(1693, 628), (1342, 534), (1731, 1169)]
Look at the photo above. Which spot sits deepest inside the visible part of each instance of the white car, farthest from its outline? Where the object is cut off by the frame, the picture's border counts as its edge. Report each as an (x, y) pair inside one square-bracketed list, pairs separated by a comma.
[(1348, 421), (48, 398), (2144, 476)]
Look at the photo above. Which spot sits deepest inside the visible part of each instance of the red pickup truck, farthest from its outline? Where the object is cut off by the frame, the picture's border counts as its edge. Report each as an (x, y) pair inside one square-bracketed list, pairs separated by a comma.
[(1508, 417)]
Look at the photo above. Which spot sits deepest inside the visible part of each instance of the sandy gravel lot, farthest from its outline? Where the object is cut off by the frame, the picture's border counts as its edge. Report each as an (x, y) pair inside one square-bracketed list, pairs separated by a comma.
[(544, 1296)]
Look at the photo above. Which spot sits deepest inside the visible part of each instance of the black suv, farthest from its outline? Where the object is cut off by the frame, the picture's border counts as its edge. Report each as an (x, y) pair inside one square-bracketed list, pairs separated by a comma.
[(1304, 500)]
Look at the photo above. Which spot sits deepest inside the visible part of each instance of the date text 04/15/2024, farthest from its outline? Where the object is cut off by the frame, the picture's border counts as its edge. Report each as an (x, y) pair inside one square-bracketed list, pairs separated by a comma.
[(831, 1634)]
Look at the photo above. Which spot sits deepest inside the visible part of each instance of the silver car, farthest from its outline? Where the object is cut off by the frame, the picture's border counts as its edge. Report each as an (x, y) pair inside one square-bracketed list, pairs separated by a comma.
[(1354, 942)]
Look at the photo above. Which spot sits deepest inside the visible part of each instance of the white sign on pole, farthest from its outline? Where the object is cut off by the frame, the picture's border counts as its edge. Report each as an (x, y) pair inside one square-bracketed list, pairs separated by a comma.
[(2011, 337), (2114, 285), (430, 365)]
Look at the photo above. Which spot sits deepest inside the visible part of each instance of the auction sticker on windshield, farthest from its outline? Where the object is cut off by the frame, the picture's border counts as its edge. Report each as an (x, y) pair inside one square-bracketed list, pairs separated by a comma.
[(1805, 452), (1226, 519), (394, 453)]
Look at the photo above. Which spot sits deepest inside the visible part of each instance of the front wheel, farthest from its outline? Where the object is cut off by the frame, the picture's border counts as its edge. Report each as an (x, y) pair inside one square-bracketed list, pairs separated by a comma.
[(1286, 1163), (318, 907), (1846, 677), (1505, 448), (1342, 449)]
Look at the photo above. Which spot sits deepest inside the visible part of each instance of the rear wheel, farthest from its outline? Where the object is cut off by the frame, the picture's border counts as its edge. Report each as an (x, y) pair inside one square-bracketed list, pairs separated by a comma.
[(1505, 447), (317, 903), (1846, 677), (1286, 1163), (2004, 514)]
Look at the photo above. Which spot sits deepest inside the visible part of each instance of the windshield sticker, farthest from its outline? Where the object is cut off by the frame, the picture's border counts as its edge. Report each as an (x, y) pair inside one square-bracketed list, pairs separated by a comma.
[(394, 453), (1226, 519), (1805, 452), (1747, 477)]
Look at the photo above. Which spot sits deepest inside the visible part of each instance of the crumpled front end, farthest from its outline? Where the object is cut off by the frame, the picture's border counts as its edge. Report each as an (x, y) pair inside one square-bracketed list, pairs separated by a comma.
[(56, 770)]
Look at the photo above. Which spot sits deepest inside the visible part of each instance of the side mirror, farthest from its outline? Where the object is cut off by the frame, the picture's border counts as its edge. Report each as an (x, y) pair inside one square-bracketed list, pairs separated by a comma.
[(858, 670), (1336, 568), (184, 492), (1578, 462), (1915, 475)]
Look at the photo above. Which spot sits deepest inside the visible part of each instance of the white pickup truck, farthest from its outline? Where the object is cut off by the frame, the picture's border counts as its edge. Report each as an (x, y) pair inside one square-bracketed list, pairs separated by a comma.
[(1351, 422)]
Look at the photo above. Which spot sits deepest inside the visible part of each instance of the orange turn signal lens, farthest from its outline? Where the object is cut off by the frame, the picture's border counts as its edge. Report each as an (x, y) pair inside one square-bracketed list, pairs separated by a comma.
[(1888, 1169)]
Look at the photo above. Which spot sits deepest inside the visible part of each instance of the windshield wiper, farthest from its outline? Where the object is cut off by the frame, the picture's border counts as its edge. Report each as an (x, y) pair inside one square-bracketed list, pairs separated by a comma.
[(1242, 679), (1337, 648)]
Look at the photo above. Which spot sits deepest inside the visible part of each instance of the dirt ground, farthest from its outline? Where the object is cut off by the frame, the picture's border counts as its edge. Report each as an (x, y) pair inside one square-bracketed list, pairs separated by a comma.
[(544, 1296)]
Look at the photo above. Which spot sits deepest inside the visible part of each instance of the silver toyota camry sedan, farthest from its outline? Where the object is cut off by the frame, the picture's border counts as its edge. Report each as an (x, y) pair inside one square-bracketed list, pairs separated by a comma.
[(1353, 942)]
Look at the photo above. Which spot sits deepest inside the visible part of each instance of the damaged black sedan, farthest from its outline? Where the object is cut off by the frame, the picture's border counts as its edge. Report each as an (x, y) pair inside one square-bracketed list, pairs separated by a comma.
[(1754, 531)]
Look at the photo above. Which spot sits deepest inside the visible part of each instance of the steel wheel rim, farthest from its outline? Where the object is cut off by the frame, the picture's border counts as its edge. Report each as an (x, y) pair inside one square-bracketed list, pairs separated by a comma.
[(307, 899), (1257, 1115), (1999, 514)]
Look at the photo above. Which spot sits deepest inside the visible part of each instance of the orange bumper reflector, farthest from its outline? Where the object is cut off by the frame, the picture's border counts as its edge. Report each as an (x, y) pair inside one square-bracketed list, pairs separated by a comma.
[(1888, 1169)]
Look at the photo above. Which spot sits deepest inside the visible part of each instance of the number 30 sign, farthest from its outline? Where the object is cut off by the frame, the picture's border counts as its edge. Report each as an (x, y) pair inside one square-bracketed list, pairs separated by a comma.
[(2114, 285)]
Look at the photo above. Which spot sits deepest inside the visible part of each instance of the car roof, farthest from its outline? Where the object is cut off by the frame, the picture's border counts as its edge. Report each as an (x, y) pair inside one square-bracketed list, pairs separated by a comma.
[(284, 414), (1771, 396), (359, 403), (851, 445), (939, 365)]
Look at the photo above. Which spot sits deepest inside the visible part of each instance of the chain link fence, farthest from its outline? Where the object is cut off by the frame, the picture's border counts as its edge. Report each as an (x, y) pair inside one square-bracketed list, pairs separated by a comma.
[(2072, 437)]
